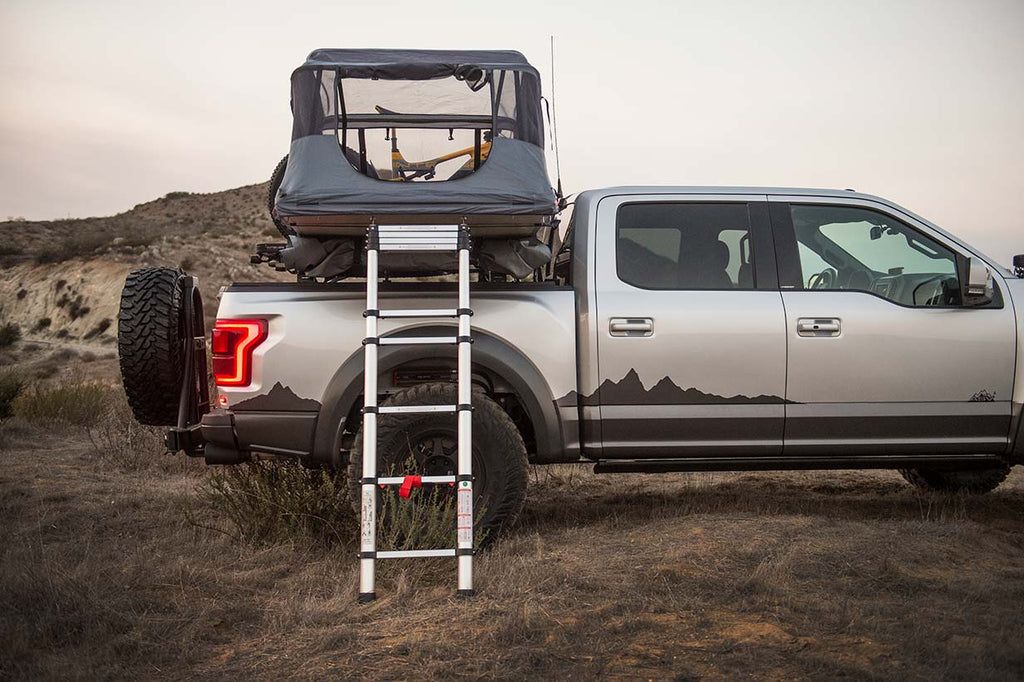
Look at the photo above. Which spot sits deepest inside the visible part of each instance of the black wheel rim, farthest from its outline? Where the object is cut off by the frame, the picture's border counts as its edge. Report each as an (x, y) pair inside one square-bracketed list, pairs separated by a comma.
[(431, 451)]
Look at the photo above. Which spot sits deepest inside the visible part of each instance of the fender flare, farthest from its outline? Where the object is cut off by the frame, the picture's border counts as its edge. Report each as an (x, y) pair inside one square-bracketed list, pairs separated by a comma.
[(489, 353)]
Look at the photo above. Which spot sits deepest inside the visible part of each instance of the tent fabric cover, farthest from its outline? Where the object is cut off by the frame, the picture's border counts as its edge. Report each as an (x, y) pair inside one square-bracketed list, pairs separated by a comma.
[(319, 180)]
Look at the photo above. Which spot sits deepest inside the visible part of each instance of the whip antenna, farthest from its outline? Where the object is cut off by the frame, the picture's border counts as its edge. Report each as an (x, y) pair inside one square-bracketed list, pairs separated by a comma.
[(554, 122)]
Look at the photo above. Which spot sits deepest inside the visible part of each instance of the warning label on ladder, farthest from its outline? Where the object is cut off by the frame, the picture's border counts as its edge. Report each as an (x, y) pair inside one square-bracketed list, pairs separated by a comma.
[(369, 520), (465, 512)]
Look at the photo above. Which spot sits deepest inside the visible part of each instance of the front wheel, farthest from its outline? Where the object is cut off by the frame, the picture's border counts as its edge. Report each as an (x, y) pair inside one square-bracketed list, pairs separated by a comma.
[(974, 481), (427, 445)]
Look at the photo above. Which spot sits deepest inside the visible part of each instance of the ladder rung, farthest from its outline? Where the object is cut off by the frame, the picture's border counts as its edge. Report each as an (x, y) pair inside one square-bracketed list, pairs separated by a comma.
[(438, 312), (406, 246), (418, 235), (414, 553), (417, 341), (414, 409), (402, 229), (399, 480)]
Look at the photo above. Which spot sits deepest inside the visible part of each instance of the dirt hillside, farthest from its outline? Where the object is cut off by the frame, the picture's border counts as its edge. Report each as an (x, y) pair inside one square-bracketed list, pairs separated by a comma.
[(62, 279)]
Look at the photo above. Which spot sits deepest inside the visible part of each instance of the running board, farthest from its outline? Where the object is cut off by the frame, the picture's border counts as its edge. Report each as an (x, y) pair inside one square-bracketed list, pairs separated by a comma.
[(655, 466)]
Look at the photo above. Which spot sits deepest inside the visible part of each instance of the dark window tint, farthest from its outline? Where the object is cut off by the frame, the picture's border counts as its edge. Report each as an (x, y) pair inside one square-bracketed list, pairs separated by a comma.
[(684, 246)]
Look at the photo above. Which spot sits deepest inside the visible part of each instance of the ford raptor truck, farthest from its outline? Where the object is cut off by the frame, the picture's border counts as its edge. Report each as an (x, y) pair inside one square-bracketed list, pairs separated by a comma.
[(674, 329)]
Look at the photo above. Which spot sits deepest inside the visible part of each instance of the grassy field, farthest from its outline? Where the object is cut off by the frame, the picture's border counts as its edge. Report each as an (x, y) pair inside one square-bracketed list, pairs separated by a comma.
[(112, 566)]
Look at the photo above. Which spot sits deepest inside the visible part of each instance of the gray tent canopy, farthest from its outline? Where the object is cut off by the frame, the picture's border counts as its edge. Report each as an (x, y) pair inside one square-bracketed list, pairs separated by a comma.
[(416, 135)]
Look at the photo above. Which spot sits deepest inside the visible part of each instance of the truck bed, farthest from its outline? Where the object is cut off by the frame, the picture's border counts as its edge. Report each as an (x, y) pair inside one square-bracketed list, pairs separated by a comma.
[(314, 347)]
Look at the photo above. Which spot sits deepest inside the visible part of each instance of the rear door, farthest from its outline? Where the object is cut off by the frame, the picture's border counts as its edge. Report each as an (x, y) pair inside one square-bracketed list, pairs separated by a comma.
[(691, 330), (882, 357)]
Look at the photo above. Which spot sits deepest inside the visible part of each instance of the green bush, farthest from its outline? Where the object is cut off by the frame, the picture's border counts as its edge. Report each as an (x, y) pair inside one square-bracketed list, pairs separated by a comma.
[(269, 502), (10, 387), (10, 333), (71, 402)]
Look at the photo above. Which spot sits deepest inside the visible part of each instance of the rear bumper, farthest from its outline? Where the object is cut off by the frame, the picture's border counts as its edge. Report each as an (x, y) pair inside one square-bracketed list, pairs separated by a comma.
[(232, 437)]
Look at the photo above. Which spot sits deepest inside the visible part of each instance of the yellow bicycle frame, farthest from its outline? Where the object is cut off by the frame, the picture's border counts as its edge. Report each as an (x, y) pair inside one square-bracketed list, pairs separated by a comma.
[(400, 166)]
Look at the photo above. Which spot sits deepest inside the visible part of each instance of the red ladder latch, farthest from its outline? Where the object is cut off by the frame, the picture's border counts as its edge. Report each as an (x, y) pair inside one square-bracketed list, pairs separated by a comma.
[(408, 484)]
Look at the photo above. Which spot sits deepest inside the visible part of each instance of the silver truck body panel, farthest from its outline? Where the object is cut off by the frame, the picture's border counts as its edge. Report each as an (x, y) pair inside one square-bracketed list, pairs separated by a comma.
[(722, 373), (313, 332)]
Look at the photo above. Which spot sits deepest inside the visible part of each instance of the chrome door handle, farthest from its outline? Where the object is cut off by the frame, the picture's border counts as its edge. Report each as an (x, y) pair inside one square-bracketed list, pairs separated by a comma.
[(818, 326), (631, 326)]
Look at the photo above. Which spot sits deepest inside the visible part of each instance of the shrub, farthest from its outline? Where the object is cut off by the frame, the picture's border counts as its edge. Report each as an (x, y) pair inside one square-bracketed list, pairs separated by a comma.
[(43, 323), (10, 333), (101, 326), (119, 440), (177, 195), (71, 402), (77, 309), (10, 387), (268, 501), (80, 245)]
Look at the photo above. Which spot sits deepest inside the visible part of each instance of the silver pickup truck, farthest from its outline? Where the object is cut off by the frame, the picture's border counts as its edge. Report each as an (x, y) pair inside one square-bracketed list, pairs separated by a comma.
[(680, 329)]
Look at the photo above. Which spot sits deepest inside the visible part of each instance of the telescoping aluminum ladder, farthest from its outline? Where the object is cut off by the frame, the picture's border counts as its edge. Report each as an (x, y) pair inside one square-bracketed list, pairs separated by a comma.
[(416, 238)]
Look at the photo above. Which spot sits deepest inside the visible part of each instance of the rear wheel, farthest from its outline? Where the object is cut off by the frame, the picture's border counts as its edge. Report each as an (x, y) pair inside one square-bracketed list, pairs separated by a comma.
[(150, 328), (427, 445), (975, 481)]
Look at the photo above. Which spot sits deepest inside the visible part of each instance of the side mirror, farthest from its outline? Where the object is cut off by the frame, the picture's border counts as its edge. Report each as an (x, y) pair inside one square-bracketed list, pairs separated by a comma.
[(977, 289)]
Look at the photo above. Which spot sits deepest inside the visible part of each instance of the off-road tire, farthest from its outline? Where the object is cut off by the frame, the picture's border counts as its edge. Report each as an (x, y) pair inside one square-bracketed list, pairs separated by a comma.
[(149, 343), (275, 183), (497, 448), (973, 481)]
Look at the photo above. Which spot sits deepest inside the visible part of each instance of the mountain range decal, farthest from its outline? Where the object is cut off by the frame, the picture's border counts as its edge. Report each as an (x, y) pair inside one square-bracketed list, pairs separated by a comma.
[(279, 399), (629, 390)]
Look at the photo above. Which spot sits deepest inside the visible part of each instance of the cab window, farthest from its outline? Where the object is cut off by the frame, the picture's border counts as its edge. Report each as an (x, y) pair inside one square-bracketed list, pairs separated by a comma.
[(684, 246), (843, 248)]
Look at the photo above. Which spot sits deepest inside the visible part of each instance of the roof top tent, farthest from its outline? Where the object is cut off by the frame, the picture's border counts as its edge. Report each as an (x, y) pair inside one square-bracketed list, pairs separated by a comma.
[(416, 136)]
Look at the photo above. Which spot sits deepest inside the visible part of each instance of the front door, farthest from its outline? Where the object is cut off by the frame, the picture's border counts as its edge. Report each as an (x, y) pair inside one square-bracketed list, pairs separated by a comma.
[(883, 358), (691, 331)]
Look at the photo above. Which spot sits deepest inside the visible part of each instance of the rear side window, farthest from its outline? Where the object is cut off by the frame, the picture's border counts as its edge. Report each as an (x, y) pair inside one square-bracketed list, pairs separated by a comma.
[(684, 246)]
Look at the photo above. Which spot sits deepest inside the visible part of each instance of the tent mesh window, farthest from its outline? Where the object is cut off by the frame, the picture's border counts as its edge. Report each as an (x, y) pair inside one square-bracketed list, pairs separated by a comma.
[(410, 123)]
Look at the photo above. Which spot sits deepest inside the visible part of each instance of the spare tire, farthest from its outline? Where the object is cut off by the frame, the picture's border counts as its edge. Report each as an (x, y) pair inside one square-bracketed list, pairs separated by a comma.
[(275, 184), (150, 330)]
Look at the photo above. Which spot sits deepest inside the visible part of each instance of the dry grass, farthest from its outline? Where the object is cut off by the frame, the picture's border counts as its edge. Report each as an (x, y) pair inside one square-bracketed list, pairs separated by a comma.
[(773, 575), (69, 401)]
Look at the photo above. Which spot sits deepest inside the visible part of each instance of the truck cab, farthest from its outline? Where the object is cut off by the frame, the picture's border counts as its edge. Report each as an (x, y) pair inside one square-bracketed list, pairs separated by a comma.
[(783, 327)]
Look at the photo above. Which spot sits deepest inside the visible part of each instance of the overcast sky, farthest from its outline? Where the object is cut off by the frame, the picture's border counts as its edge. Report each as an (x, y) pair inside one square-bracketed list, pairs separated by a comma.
[(105, 104)]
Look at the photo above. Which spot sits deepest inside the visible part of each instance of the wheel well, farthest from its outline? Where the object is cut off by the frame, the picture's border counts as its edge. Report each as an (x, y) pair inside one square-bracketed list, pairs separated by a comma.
[(502, 371), (440, 370)]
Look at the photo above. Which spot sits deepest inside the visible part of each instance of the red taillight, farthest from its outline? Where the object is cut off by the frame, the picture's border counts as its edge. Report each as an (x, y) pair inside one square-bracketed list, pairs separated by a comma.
[(232, 345)]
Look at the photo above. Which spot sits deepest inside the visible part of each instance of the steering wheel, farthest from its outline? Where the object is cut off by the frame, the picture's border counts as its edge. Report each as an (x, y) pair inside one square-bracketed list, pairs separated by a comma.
[(826, 279)]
